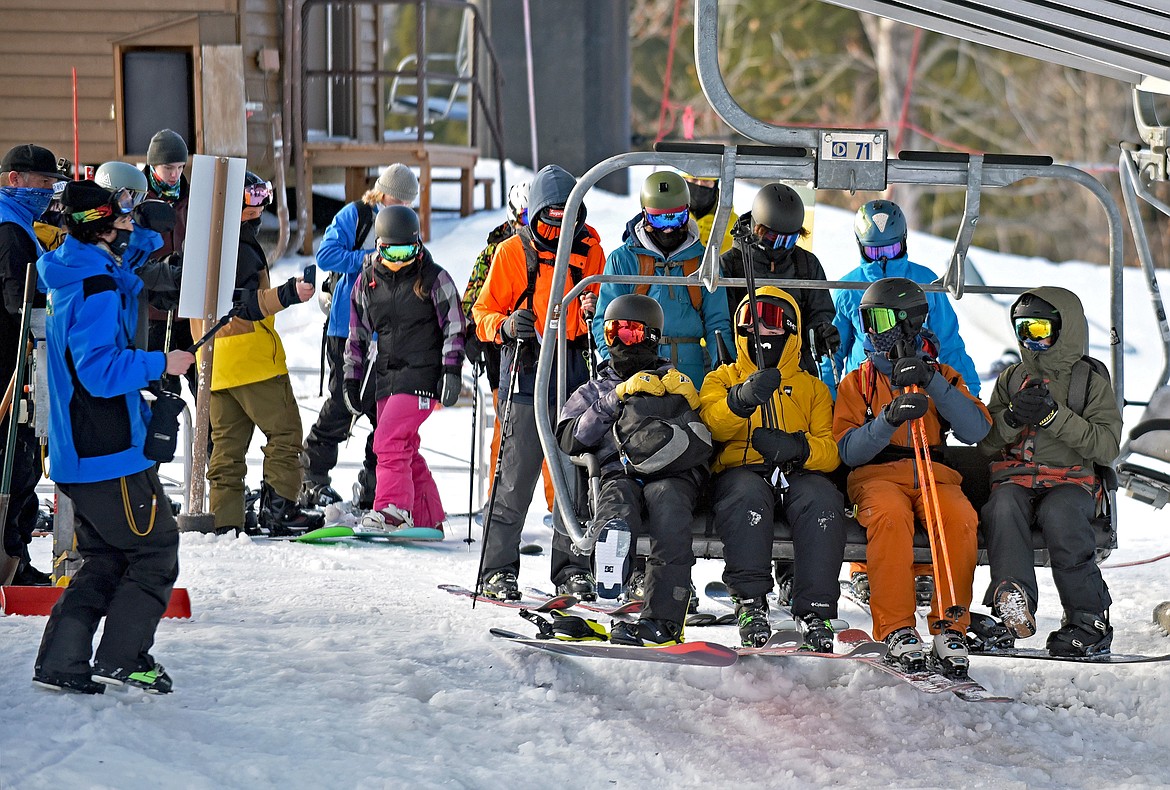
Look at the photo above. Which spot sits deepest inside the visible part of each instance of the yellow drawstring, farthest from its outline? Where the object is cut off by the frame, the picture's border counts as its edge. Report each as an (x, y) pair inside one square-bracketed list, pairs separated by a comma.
[(130, 513)]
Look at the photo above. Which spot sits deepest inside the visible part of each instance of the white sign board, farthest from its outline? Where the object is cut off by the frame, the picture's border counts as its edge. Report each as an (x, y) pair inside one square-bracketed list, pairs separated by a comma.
[(199, 224)]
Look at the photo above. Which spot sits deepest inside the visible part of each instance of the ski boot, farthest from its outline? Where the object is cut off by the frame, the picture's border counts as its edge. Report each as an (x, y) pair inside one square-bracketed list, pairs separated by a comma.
[(29, 576), (152, 679), (280, 516), (817, 632), (923, 591), (949, 655), (986, 634), (860, 583), (72, 682), (647, 633), (905, 650), (752, 618), (580, 585), (387, 519), (1081, 634), (1011, 606), (502, 586), (784, 575)]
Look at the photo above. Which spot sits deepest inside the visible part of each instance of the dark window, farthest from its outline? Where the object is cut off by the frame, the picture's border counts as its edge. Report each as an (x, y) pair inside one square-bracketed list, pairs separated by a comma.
[(158, 93)]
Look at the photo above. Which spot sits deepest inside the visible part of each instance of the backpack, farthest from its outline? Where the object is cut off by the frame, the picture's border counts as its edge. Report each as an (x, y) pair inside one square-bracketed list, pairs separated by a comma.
[(660, 436), (646, 266)]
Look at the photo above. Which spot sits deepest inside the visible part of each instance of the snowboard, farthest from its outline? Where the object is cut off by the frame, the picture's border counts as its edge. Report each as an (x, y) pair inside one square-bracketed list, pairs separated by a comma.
[(788, 643), (335, 533), (780, 616), (544, 603), (704, 654), (615, 609), (1039, 654)]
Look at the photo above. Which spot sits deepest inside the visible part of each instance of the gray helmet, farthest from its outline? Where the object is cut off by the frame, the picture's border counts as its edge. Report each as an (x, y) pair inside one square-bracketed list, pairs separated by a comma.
[(397, 225), (116, 176), (879, 222), (778, 208), (636, 307)]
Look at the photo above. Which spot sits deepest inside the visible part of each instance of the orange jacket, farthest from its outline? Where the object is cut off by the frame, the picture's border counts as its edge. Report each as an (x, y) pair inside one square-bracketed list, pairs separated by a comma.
[(508, 278)]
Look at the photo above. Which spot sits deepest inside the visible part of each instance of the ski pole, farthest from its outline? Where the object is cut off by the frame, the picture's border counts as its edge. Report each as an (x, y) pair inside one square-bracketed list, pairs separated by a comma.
[(30, 289), (471, 461)]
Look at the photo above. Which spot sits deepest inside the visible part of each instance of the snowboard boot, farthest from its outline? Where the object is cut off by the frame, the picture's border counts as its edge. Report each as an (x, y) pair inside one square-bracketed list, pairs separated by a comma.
[(152, 679), (502, 586), (751, 615), (949, 654), (280, 516), (906, 650), (1011, 606), (580, 585), (817, 632), (784, 575), (988, 634), (923, 591), (315, 493), (28, 576), (72, 682), (645, 632), (611, 557), (387, 519), (860, 583), (251, 522), (1081, 634)]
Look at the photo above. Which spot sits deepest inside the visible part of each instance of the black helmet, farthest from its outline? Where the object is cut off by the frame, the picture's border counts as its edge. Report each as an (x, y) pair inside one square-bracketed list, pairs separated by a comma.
[(778, 208), (904, 297), (1032, 306), (636, 307), (397, 225)]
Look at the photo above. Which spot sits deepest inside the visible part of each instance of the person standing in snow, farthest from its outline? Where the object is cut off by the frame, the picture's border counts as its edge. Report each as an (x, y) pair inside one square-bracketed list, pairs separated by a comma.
[(1045, 477), (412, 305), (126, 532), (662, 241), (343, 250), (511, 307)]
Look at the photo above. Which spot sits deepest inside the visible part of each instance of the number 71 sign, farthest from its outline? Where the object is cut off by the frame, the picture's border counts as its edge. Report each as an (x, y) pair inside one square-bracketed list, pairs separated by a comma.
[(852, 160)]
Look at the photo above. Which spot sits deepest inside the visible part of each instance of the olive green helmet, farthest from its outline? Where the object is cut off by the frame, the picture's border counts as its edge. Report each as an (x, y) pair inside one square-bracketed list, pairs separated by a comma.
[(664, 191)]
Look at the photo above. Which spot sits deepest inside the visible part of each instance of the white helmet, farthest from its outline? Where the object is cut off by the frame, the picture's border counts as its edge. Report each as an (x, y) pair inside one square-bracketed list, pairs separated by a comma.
[(518, 203)]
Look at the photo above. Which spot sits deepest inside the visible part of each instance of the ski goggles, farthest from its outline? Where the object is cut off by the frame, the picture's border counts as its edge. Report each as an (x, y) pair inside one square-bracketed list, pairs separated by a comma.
[(879, 320), (100, 212), (1035, 328), (127, 198), (629, 333), (673, 219), (772, 318), (882, 251), (397, 253), (524, 216), (258, 194), (778, 241)]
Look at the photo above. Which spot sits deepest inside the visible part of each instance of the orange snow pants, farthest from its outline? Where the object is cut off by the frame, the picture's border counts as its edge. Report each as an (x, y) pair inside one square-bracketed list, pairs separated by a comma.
[(889, 505)]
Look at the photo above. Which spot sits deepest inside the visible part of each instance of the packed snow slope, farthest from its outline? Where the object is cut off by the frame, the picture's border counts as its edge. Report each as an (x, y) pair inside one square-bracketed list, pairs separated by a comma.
[(344, 666)]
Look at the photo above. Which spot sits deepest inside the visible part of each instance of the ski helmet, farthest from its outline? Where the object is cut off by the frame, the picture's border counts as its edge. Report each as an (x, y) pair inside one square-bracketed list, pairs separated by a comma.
[(665, 191), (397, 225), (778, 208), (116, 176), (636, 307), (880, 224), (518, 203), (904, 301), (646, 315), (1036, 321)]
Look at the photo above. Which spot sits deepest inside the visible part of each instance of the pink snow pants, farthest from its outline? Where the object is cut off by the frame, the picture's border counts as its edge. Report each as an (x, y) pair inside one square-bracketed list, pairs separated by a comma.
[(403, 477)]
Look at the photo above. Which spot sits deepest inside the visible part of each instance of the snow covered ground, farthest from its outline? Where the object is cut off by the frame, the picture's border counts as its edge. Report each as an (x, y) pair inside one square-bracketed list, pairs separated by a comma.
[(318, 666)]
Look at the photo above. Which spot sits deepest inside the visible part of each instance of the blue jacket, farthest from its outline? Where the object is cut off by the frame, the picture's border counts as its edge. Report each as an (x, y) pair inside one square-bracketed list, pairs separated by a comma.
[(941, 319), (681, 319), (97, 417), (336, 254)]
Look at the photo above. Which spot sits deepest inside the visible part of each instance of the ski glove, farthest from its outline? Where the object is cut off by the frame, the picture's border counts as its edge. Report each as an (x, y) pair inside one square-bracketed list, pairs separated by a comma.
[(909, 406), (826, 339), (156, 215), (287, 293), (451, 386), (353, 396), (473, 346), (755, 391), (1032, 405), (644, 383), (677, 383), (520, 325), (781, 447), (911, 372)]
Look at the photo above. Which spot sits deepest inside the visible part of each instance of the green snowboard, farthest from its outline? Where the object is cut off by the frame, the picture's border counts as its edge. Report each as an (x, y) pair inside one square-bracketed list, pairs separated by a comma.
[(336, 533)]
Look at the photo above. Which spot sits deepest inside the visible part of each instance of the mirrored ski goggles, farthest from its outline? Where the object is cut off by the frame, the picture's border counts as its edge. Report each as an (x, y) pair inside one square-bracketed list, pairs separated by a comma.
[(629, 333), (879, 320), (397, 253), (127, 199), (668, 220), (778, 241), (882, 251), (258, 194), (1035, 328), (773, 318)]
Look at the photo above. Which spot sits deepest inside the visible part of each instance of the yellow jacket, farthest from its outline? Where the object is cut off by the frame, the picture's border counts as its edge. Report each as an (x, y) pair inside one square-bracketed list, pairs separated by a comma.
[(247, 351), (705, 224), (803, 403)]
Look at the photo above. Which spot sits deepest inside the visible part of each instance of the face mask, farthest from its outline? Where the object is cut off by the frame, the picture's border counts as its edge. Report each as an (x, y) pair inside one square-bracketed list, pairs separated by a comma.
[(886, 341), (703, 199), (628, 360), (667, 241), (252, 226), (120, 243), (772, 347), (33, 199)]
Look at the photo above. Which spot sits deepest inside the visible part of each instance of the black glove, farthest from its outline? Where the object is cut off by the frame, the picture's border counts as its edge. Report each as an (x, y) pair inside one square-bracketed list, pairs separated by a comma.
[(352, 395), (449, 388), (911, 371), (780, 447), (473, 346), (156, 215), (520, 325), (755, 391), (1032, 405), (826, 340), (909, 406), (287, 293)]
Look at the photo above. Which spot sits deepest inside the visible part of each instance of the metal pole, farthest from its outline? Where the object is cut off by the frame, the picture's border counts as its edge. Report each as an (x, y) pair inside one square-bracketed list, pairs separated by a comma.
[(531, 85)]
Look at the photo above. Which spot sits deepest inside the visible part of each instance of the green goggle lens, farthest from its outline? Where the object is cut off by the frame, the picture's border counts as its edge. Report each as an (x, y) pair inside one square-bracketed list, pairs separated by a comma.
[(879, 320)]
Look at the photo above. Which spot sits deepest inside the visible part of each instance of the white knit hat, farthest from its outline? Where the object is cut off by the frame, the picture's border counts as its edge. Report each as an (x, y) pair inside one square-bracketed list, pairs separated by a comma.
[(399, 182)]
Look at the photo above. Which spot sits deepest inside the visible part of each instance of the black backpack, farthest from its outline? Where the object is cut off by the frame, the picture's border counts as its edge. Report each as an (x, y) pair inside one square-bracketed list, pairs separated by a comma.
[(660, 436)]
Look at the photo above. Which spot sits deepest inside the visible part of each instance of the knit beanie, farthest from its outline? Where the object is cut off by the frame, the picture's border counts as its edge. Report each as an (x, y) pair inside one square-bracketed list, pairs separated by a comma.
[(399, 182), (166, 147)]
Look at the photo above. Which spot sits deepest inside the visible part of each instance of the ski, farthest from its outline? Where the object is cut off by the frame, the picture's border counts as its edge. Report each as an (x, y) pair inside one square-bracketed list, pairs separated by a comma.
[(542, 604), (705, 654), (928, 681), (1039, 654), (780, 616), (622, 610)]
